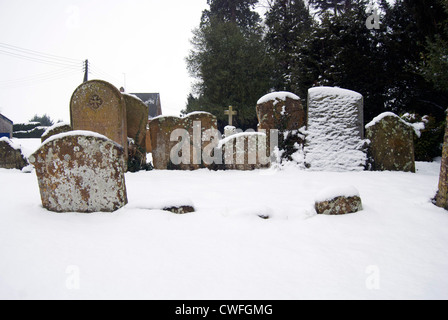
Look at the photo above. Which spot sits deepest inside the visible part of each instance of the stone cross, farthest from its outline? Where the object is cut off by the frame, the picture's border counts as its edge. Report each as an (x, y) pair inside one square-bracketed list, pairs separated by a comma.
[(230, 113)]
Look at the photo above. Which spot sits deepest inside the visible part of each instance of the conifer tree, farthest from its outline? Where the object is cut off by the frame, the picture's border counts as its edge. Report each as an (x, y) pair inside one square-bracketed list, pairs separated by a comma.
[(229, 61)]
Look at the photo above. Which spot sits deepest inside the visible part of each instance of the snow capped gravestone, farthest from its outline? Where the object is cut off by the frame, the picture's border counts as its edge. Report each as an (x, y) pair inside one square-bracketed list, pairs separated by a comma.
[(391, 143), (58, 128), (11, 156), (80, 171), (178, 143), (338, 201), (335, 132), (280, 110), (100, 107), (137, 120), (283, 112)]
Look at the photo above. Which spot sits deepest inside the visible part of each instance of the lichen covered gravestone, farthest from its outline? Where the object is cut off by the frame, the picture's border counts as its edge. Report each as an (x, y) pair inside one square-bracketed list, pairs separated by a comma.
[(391, 143), (58, 128), (11, 156), (100, 107), (338, 201), (137, 119), (173, 137), (335, 131), (80, 171)]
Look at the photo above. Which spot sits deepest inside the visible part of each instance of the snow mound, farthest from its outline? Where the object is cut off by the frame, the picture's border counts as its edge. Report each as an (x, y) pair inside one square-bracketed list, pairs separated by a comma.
[(160, 203), (281, 95), (331, 193)]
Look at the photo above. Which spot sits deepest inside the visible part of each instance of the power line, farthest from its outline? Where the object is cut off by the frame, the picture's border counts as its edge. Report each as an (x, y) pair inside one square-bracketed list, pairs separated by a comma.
[(39, 57), (44, 55), (35, 82), (39, 60), (35, 77)]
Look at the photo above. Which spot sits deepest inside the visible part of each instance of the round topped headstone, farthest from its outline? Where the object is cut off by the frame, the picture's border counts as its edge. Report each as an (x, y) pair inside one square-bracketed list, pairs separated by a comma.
[(98, 106)]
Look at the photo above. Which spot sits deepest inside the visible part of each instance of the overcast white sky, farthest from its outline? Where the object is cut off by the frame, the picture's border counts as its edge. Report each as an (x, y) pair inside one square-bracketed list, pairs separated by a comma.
[(147, 40)]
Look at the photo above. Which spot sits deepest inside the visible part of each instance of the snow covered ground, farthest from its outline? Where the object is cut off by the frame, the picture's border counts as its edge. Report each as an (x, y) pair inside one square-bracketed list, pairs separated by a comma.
[(397, 248)]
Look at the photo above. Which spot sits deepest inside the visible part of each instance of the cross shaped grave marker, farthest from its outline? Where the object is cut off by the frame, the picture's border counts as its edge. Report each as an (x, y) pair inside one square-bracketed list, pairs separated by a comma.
[(230, 113)]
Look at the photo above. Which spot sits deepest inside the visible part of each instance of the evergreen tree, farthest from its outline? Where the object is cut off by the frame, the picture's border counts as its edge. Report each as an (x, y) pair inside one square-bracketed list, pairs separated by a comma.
[(289, 23), (44, 120), (229, 61), (337, 6)]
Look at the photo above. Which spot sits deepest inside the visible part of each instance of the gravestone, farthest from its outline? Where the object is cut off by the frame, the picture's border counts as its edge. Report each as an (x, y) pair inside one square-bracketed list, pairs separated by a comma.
[(171, 137), (335, 131), (137, 120), (11, 156), (58, 128), (100, 107), (391, 144), (244, 151), (81, 171), (282, 111)]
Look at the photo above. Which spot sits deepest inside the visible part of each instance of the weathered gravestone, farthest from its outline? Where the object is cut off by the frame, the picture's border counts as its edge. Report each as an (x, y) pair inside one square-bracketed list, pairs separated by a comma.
[(58, 128), (100, 107), (335, 131), (280, 110), (81, 171), (282, 114), (137, 120), (391, 144), (11, 156), (177, 143), (338, 201), (244, 151)]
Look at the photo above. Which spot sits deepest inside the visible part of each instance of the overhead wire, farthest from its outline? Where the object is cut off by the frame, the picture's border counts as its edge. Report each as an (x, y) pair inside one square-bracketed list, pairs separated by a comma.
[(40, 54)]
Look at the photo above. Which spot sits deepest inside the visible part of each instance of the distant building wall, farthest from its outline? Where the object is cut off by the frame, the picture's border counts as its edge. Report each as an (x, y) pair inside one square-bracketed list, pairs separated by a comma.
[(6, 126)]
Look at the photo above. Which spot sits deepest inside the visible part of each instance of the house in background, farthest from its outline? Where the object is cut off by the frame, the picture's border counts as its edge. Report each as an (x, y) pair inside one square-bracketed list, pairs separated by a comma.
[(6, 127), (152, 100)]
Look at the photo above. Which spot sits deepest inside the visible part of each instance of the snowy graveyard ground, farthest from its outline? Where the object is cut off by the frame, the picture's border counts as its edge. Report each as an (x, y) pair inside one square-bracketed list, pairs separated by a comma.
[(395, 249)]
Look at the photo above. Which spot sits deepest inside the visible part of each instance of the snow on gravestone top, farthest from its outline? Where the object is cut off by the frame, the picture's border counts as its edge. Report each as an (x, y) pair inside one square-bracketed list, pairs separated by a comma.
[(281, 96), (11, 156), (55, 129), (80, 171), (418, 127), (335, 130), (11, 144), (331, 193), (391, 143)]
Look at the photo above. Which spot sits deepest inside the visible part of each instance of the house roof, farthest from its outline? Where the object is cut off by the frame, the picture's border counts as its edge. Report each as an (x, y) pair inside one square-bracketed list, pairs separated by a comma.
[(6, 119), (152, 100)]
